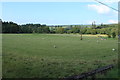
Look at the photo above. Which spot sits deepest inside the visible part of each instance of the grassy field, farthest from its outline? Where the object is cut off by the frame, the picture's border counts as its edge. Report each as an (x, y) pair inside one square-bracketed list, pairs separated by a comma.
[(34, 55)]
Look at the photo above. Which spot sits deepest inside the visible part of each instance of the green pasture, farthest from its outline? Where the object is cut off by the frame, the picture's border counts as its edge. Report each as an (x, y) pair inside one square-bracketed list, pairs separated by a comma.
[(55, 55)]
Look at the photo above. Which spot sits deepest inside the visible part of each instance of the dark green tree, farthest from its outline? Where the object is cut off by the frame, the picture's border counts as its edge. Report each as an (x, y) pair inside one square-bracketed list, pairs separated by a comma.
[(75, 29), (60, 30)]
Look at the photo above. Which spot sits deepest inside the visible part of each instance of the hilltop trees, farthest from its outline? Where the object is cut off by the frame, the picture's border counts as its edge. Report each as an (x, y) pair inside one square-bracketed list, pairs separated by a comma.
[(52, 30), (69, 31), (110, 30), (75, 29), (60, 30), (114, 32), (93, 25), (93, 31), (88, 31), (83, 30), (10, 27)]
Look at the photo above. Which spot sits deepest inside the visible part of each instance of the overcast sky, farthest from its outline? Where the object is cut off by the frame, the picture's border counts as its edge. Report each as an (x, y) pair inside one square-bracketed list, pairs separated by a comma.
[(56, 13)]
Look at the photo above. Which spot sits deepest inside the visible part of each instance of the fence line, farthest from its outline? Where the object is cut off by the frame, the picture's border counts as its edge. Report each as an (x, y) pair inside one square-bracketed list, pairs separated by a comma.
[(90, 74)]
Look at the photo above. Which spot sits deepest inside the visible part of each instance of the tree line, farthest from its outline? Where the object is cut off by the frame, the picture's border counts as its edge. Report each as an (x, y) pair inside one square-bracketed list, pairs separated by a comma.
[(10, 27), (110, 30)]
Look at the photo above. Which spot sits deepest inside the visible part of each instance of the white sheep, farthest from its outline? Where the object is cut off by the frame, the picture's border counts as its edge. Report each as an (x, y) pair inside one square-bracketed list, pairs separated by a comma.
[(54, 46), (113, 49)]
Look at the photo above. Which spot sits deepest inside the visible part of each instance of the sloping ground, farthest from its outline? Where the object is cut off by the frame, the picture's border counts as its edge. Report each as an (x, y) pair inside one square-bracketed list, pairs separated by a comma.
[(34, 55)]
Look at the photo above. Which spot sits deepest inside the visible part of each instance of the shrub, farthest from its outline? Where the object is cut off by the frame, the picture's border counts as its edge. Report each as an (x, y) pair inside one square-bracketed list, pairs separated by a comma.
[(113, 34)]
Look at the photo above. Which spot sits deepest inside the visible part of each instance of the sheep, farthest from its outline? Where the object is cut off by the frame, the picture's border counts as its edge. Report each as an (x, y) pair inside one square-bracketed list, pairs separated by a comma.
[(54, 46), (103, 39), (113, 49)]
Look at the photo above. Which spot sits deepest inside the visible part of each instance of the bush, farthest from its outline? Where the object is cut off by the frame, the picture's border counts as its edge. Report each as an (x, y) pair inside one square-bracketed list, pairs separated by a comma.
[(69, 31), (109, 36), (113, 34)]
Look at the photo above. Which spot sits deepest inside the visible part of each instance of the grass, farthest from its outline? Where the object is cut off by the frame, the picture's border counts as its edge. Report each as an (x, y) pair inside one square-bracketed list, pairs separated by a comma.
[(34, 55)]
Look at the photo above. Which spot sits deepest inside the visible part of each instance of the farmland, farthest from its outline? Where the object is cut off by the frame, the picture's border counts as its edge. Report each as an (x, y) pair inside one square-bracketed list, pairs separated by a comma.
[(34, 55)]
